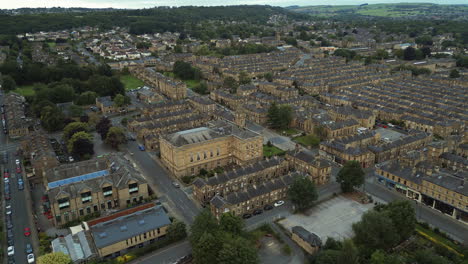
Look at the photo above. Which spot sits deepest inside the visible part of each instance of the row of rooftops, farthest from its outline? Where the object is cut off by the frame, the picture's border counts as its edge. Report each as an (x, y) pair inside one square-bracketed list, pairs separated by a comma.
[(238, 172), (254, 191), (216, 129), (455, 181), (92, 174)]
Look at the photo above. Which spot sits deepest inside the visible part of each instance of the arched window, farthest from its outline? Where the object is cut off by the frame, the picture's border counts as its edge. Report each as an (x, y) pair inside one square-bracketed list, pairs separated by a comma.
[(198, 156)]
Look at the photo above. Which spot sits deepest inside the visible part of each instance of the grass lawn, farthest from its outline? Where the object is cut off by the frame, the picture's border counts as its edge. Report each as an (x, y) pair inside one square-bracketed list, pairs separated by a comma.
[(51, 44), (437, 238), (272, 151), (131, 82), (289, 131), (26, 90), (192, 83), (309, 140)]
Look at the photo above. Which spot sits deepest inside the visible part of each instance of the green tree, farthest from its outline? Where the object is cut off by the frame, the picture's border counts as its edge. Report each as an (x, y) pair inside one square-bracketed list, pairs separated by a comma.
[(236, 251), (86, 98), (332, 244), (328, 256), (176, 231), (403, 217), (73, 128), (375, 231), (273, 116), (103, 126), (350, 175), (268, 76), (349, 254), (244, 78), (124, 121), (115, 137), (409, 53), (8, 83), (381, 54), (54, 258), (77, 144), (207, 248), (426, 256), (121, 100), (52, 118), (454, 73), (75, 111), (204, 222), (231, 223), (302, 192), (285, 114), (320, 132), (62, 93), (231, 84)]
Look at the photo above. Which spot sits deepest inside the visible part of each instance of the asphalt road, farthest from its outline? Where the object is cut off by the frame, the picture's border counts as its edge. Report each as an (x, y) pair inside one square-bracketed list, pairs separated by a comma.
[(159, 178), (20, 215), (167, 255), (445, 223)]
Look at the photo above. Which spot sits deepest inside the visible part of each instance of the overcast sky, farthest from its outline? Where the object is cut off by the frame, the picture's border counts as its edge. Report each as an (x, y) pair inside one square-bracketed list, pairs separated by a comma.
[(9, 4)]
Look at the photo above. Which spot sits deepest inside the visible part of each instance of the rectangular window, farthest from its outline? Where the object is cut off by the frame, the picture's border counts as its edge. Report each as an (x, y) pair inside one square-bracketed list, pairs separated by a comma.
[(107, 191), (88, 210), (81, 212), (159, 231), (63, 203), (86, 197), (133, 188), (95, 208)]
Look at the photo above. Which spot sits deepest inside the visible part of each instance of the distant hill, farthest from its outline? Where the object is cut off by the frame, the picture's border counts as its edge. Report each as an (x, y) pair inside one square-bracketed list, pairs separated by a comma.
[(399, 10), (152, 20)]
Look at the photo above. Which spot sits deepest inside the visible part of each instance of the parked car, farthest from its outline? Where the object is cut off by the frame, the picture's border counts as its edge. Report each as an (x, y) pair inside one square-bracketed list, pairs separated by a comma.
[(257, 212), (30, 258), (20, 185), (267, 207), (18, 169), (27, 231), (245, 216), (8, 209), (9, 222), (6, 173), (279, 203), (70, 159), (11, 250), (17, 161), (141, 147), (10, 233), (10, 242), (28, 248), (6, 180), (177, 185)]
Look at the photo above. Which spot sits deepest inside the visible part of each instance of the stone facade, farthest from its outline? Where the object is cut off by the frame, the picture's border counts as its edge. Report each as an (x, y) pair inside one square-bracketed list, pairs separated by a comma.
[(187, 152)]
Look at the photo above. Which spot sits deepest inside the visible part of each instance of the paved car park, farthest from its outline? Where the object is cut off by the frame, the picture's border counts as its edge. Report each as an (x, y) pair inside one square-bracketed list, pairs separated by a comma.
[(390, 134), (331, 218)]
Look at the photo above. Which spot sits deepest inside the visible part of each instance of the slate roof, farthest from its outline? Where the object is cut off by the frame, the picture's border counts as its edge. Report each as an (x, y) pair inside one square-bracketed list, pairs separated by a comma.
[(307, 236), (122, 228)]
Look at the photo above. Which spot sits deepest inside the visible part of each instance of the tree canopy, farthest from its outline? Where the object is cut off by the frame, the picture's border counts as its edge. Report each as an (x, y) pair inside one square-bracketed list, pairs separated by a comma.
[(279, 117), (302, 192), (350, 175), (54, 258), (115, 137)]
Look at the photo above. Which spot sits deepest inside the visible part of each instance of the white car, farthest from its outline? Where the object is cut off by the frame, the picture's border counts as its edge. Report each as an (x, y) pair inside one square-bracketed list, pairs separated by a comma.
[(70, 159), (7, 180), (31, 258), (279, 203), (8, 209), (17, 162), (11, 250)]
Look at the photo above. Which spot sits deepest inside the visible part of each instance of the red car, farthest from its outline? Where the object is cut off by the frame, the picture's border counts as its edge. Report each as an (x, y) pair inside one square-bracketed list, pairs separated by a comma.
[(18, 169), (27, 231), (6, 174)]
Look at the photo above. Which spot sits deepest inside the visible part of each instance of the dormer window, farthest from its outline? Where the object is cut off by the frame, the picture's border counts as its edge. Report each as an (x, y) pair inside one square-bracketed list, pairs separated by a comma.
[(63, 203), (86, 197), (107, 191), (133, 188)]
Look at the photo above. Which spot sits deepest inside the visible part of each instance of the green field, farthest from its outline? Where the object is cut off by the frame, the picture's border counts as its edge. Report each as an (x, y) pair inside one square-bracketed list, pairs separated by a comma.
[(51, 44), (192, 83), (130, 82), (272, 151), (382, 10), (26, 90), (308, 141)]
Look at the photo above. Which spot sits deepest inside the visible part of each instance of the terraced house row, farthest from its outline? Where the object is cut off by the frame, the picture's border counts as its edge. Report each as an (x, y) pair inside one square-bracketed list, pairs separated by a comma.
[(428, 105), (317, 76), (93, 186), (13, 116), (169, 87)]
